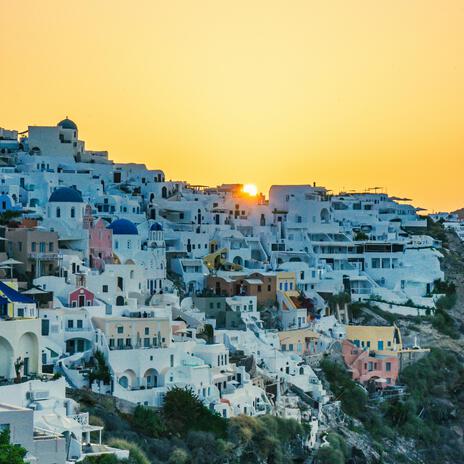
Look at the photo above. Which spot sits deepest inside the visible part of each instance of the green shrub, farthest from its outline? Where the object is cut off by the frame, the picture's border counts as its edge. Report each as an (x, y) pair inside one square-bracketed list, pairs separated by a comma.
[(183, 411), (136, 455), (147, 422)]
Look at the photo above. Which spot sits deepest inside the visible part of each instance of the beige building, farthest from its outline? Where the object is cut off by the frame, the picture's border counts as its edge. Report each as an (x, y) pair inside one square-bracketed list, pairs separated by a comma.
[(127, 332), (300, 341)]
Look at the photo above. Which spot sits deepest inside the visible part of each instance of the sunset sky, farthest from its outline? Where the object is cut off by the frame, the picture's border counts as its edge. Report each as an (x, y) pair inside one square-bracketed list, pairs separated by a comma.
[(348, 93)]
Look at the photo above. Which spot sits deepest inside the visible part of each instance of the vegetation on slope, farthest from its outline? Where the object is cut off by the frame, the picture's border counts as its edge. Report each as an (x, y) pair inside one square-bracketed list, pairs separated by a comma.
[(428, 414), (184, 431)]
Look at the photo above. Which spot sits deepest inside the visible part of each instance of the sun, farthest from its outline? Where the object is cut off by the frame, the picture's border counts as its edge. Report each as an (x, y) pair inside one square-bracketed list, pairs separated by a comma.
[(251, 189)]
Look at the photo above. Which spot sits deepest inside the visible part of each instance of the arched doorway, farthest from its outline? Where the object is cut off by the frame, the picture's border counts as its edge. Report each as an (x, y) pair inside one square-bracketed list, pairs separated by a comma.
[(151, 378), (325, 216), (119, 300), (238, 260), (28, 350), (6, 358), (127, 379)]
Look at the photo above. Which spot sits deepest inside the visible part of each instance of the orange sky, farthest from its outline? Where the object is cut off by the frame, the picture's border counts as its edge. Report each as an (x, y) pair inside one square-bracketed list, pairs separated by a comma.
[(348, 93)]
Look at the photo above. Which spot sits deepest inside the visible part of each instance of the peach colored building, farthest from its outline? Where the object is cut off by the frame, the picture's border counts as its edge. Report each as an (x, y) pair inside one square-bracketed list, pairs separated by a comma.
[(367, 365)]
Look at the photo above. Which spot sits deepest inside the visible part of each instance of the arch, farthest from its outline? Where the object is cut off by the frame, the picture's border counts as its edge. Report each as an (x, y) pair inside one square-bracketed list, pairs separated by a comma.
[(58, 212), (73, 212), (119, 300), (325, 215), (238, 260), (164, 192), (152, 378), (6, 358), (28, 350), (127, 379)]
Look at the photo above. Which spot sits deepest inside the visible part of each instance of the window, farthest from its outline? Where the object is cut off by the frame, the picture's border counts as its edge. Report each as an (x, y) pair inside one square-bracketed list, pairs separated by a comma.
[(284, 347), (58, 212), (105, 289), (70, 323), (33, 246), (73, 212), (50, 247), (79, 324), (171, 361), (42, 247), (388, 366), (290, 347), (259, 288), (120, 329), (111, 342), (147, 330), (146, 342)]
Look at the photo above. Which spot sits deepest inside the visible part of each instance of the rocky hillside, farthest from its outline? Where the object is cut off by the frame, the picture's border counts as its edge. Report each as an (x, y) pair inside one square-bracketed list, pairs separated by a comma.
[(426, 425)]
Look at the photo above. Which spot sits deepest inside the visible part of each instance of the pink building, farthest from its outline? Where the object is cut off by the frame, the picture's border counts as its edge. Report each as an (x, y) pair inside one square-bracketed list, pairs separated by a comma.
[(81, 297), (371, 366), (100, 244)]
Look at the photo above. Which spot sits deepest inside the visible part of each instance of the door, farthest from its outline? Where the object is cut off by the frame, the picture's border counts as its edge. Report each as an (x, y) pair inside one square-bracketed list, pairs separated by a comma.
[(26, 366)]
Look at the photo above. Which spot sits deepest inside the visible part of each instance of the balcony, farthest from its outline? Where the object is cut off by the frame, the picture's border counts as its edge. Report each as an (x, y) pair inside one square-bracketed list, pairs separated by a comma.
[(43, 256)]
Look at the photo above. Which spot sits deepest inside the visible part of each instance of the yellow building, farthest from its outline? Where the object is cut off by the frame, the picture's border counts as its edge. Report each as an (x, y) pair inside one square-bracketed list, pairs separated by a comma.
[(298, 341), (286, 281), (377, 338)]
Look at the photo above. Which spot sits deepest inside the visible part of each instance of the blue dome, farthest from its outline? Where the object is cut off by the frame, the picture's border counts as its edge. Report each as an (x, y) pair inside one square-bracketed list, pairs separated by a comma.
[(66, 195), (67, 124), (123, 227), (156, 226)]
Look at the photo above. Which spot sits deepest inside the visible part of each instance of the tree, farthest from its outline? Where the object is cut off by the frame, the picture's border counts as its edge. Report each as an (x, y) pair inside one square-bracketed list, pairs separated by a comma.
[(10, 454), (8, 216), (147, 422), (183, 411), (101, 370)]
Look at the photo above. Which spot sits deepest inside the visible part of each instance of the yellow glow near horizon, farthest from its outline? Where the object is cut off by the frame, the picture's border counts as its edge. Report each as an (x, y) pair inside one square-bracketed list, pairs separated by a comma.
[(251, 189), (349, 94)]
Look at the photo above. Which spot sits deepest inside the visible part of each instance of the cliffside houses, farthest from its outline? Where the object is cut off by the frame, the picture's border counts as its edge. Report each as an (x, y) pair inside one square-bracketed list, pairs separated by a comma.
[(171, 284)]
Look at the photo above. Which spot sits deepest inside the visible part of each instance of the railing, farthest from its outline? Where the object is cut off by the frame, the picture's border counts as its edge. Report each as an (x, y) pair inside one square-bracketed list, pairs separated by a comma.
[(82, 418), (43, 255), (44, 434)]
